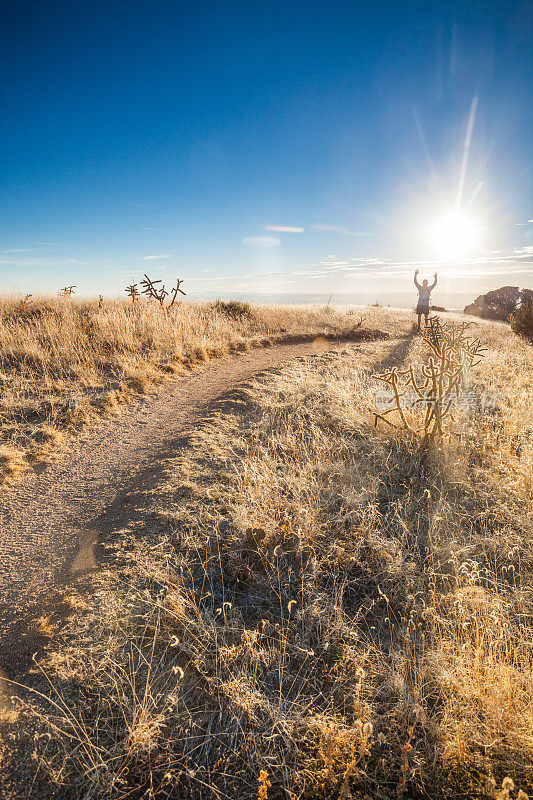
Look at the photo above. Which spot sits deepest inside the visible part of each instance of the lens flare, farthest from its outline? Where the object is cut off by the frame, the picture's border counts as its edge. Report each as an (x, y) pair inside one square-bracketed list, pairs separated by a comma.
[(454, 235)]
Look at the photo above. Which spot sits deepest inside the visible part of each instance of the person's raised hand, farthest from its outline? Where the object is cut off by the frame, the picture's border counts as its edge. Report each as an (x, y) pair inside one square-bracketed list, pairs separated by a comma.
[(416, 272)]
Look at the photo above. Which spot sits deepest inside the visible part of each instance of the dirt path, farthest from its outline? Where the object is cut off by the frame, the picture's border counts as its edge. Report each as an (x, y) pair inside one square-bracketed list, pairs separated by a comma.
[(50, 523), (47, 523)]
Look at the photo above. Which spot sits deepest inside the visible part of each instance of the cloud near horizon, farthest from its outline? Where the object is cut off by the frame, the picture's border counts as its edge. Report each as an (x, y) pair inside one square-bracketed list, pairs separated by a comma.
[(382, 276)]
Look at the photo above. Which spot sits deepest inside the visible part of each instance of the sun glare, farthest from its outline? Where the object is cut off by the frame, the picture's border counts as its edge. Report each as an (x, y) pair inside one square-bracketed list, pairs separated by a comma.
[(454, 235)]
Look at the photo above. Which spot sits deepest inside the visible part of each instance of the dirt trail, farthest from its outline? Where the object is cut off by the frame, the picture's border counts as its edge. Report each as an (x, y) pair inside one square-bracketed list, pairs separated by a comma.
[(47, 523), (50, 522)]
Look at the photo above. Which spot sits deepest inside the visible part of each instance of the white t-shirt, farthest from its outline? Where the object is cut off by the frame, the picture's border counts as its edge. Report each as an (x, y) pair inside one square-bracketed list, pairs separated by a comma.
[(424, 294)]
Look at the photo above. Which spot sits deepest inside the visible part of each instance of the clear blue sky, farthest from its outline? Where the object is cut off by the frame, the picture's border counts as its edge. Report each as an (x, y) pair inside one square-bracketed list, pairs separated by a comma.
[(177, 138)]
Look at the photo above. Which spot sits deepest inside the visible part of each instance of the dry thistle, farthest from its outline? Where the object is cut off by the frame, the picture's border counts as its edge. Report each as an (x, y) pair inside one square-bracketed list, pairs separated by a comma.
[(67, 291)]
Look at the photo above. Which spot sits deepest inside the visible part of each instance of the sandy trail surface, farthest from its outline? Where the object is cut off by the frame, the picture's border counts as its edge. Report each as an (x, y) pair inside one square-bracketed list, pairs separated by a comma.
[(50, 521)]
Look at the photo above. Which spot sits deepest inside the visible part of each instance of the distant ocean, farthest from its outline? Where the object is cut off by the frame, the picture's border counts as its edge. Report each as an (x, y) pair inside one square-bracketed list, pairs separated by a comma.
[(452, 302)]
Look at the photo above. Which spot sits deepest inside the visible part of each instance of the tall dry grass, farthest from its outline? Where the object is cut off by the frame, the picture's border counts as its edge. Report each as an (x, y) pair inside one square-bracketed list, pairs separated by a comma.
[(64, 361), (314, 608)]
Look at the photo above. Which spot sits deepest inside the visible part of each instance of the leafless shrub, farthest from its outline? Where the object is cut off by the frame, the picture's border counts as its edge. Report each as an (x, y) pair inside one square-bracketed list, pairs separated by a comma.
[(174, 292), (132, 291), (152, 291), (434, 387), (159, 293)]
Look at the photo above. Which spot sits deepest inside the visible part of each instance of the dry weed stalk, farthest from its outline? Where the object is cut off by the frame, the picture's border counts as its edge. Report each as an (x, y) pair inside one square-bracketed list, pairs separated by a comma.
[(23, 305), (132, 292), (175, 290), (67, 291), (151, 290), (438, 385)]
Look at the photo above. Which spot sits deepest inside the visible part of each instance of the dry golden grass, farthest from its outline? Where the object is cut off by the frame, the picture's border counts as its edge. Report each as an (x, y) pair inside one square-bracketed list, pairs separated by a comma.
[(314, 608), (63, 361)]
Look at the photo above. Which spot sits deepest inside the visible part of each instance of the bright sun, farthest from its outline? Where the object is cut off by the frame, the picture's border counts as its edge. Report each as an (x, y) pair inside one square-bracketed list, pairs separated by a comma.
[(454, 234)]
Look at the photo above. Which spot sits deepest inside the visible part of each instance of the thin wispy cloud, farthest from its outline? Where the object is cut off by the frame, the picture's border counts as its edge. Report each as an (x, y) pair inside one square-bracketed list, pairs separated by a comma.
[(342, 229), (163, 230), (38, 262), (156, 258), (283, 229), (261, 241), (328, 228), (59, 244)]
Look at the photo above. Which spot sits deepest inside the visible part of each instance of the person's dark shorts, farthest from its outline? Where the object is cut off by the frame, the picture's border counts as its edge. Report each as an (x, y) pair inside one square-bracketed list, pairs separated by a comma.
[(422, 308)]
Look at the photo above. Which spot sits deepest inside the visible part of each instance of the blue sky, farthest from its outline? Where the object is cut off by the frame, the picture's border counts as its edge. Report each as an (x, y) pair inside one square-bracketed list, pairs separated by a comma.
[(286, 147)]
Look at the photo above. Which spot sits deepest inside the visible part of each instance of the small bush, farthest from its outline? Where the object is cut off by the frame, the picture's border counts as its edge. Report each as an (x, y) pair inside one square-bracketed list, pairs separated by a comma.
[(234, 309), (522, 322)]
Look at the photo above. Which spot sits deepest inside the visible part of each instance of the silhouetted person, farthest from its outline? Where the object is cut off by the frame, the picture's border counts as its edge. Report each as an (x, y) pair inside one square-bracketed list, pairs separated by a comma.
[(424, 293)]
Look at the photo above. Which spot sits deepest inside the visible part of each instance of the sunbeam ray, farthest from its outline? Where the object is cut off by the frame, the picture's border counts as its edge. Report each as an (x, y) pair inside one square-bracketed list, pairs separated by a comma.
[(466, 152)]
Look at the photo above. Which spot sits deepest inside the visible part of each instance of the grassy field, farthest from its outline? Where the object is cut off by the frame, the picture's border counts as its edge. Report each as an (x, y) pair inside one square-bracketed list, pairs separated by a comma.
[(303, 605), (63, 362)]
